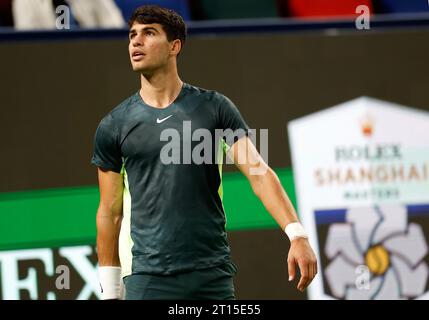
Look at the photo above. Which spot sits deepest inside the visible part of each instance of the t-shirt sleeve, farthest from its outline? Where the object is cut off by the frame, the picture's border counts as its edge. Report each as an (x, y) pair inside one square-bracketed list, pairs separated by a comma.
[(231, 121), (107, 152)]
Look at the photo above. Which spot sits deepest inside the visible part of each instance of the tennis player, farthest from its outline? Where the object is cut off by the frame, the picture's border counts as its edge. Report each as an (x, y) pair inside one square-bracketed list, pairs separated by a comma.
[(160, 221)]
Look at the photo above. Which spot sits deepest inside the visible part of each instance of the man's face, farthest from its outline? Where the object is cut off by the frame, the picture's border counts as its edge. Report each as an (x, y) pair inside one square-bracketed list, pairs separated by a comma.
[(149, 47)]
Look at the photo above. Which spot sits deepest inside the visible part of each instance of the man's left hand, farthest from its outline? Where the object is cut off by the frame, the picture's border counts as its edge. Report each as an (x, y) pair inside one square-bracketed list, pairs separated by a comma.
[(300, 253)]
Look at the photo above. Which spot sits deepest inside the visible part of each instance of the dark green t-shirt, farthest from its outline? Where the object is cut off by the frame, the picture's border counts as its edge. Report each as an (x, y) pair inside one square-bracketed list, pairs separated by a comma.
[(173, 217)]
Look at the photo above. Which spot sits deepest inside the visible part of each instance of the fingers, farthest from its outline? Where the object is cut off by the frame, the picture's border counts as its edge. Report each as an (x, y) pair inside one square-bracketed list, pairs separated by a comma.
[(291, 268), (315, 268), (308, 271), (304, 281), (301, 253), (312, 272)]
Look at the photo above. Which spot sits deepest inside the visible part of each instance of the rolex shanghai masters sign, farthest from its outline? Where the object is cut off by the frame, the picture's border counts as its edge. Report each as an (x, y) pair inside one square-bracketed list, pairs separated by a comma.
[(361, 172)]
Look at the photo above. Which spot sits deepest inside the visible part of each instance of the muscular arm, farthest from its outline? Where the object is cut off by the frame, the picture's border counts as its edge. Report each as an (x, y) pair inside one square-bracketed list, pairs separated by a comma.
[(267, 187), (109, 217), (264, 182)]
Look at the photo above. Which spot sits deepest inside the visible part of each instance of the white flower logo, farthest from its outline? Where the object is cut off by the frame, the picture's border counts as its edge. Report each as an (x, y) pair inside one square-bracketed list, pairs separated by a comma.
[(381, 239)]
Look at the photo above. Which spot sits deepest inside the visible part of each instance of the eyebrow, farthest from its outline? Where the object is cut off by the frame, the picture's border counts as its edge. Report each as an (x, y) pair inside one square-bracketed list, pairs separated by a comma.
[(132, 31)]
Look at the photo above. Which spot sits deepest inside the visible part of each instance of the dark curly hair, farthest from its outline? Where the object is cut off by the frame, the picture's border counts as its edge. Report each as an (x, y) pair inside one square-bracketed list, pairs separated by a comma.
[(172, 23)]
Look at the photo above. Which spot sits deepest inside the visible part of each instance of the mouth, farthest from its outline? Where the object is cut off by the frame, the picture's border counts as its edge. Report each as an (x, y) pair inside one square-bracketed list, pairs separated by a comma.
[(138, 55)]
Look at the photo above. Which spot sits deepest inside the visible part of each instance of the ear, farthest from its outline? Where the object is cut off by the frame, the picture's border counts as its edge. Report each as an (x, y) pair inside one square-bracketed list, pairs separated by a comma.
[(176, 47)]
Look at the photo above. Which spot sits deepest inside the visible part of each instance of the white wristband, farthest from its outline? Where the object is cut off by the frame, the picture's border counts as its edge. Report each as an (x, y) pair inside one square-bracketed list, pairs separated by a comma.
[(295, 230), (110, 282)]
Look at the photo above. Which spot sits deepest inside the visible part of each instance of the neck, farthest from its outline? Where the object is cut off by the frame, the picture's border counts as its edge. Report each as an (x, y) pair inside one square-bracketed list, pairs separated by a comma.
[(160, 89)]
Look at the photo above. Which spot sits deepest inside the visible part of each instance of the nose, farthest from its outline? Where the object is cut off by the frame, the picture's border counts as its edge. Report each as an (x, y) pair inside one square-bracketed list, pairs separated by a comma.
[(137, 40)]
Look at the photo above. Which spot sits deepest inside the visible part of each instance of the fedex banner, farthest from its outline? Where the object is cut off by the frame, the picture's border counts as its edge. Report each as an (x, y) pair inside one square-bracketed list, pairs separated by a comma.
[(361, 172), (49, 274)]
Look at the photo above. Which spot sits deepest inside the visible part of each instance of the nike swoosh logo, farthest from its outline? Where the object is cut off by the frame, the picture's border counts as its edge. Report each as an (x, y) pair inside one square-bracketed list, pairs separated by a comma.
[(162, 120)]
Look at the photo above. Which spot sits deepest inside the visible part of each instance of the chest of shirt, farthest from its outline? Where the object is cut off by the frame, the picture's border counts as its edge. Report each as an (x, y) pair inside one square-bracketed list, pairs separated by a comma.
[(151, 134)]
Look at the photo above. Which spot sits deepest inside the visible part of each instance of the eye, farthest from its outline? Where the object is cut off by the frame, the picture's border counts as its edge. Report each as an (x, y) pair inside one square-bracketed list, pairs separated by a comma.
[(150, 33)]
